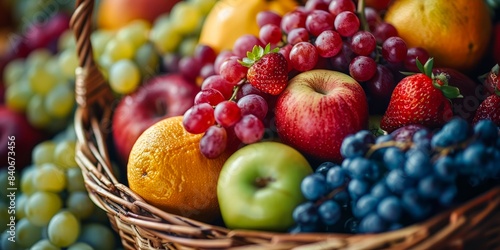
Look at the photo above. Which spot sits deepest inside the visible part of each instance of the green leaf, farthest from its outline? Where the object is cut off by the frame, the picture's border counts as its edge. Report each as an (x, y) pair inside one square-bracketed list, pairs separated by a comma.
[(267, 49), (451, 92), (428, 67), (420, 66), (407, 73)]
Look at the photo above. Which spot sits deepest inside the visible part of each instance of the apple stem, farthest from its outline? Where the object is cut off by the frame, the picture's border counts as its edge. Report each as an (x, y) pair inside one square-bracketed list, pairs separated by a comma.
[(262, 182)]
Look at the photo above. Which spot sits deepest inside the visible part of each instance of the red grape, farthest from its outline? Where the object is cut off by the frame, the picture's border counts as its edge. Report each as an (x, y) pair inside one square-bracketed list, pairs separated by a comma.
[(204, 54), (232, 71), (207, 70), (292, 20), (198, 118), (346, 23), (227, 113), (249, 129), (268, 17), (214, 142), (372, 17), (381, 85), (329, 43), (222, 57), (316, 5), (362, 68), (341, 61), (244, 44), (410, 62), (270, 33), (394, 49), (189, 67), (303, 56), (337, 6), (383, 31), (218, 83), (210, 96), (285, 51), (253, 104), (363, 43), (297, 35), (248, 89), (318, 21), (171, 62)]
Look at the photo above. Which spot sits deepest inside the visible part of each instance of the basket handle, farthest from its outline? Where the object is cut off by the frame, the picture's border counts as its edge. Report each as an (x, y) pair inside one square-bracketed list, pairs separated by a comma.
[(90, 86)]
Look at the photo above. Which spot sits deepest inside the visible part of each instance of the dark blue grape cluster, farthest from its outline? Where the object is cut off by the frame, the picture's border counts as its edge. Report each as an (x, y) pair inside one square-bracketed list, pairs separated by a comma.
[(385, 183)]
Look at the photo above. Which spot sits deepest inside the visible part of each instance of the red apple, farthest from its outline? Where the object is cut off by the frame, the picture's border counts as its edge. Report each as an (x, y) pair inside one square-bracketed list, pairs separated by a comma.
[(17, 138), (317, 110), (161, 97)]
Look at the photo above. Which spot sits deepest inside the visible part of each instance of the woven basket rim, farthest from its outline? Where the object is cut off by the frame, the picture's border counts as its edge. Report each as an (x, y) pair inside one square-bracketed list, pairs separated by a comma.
[(141, 225)]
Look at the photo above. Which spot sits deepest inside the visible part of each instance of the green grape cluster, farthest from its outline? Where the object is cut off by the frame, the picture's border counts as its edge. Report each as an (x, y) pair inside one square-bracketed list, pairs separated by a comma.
[(42, 85), (53, 209)]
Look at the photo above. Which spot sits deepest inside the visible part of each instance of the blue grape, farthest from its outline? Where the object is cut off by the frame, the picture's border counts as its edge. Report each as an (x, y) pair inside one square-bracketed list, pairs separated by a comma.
[(305, 214), (380, 190), (324, 167), (448, 195), (329, 212), (418, 163), (417, 207), (394, 158), (456, 130), (342, 198), (352, 147), (422, 139), (397, 181), (365, 205), (336, 177), (304, 228), (360, 168), (314, 186), (474, 155), (365, 136), (390, 209), (430, 187), (440, 140), (486, 131), (445, 169), (357, 188), (384, 138), (372, 223)]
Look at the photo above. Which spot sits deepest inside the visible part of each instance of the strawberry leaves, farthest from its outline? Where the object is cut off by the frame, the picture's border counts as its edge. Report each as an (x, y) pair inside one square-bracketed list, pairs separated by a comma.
[(256, 54)]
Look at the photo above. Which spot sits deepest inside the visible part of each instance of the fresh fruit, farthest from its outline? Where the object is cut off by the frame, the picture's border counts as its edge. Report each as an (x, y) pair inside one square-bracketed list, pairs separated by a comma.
[(267, 70), (162, 96), (19, 138), (420, 99), (492, 80), (489, 109), (238, 18), (259, 186), (114, 14), (311, 112), (466, 27), (167, 169), (385, 184)]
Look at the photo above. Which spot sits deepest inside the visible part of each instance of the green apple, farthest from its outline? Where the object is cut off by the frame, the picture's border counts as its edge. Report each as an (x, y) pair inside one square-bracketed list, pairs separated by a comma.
[(259, 186)]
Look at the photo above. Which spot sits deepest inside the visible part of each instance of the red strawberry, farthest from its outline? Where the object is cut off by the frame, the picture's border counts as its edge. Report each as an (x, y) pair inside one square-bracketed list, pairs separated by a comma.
[(492, 79), (489, 109), (420, 99), (268, 70)]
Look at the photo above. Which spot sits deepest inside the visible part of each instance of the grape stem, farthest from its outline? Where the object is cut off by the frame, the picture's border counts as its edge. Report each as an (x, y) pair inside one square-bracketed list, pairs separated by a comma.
[(362, 16), (237, 88)]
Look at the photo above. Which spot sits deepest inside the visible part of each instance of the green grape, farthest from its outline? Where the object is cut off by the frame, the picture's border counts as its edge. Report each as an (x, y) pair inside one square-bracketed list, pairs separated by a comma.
[(136, 32), (148, 59), (75, 180), (36, 113), (119, 49), (98, 236), (4, 184), (80, 204), (17, 96), (68, 62), (66, 41), (64, 154), (13, 72), (41, 206), (186, 17), (99, 39), (203, 5), (44, 244), (188, 46), (27, 233), (80, 246), (41, 80), (4, 216), (21, 200), (43, 152), (124, 77), (53, 67), (27, 185), (9, 242), (49, 177), (60, 101), (165, 37), (64, 229), (38, 57)]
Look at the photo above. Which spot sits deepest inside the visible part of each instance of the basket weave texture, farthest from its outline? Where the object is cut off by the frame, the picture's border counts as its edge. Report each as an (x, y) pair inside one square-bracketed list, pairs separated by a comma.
[(473, 225)]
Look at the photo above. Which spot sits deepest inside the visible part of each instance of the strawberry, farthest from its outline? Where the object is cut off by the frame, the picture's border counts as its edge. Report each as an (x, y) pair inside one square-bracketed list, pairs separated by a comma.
[(268, 69), (489, 109), (492, 79), (420, 98)]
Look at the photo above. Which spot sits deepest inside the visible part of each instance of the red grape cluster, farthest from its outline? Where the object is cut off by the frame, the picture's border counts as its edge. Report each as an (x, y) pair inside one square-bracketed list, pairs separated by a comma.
[(323, 34), (195, 67)]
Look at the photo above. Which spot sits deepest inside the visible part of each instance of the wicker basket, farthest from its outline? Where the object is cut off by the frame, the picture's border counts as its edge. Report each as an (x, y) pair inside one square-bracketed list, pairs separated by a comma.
[(475, 224)]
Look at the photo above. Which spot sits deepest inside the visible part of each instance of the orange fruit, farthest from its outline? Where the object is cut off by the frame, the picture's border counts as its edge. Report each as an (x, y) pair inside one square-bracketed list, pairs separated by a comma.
[(456, 33), (167, 169)]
